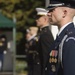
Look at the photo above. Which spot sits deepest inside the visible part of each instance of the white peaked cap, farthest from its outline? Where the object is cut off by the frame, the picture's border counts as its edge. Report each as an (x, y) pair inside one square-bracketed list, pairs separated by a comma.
[(41, 11)]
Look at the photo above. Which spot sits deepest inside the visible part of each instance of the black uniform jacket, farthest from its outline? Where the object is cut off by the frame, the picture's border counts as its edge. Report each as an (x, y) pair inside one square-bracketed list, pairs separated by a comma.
[(31, 49), (44, 43)]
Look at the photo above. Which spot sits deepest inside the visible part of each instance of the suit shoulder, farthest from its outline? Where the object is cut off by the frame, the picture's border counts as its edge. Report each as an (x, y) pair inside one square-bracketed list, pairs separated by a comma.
[(71, 35)]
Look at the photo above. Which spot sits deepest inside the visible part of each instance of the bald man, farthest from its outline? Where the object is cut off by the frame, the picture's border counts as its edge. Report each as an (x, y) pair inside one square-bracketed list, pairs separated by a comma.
[(62, 55)]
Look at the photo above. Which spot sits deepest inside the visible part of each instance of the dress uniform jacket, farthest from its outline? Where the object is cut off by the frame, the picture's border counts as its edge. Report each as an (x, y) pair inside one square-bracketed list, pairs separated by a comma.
[(44, 43), (67, 66), (32, 56)]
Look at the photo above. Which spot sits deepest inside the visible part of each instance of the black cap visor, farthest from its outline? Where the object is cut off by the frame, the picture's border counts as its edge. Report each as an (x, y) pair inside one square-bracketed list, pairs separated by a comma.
[(52, 6), (38, 16)]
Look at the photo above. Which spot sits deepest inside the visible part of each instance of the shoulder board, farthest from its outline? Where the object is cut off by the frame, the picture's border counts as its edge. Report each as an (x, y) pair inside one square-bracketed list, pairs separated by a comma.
[(71, 35), (71, 32)]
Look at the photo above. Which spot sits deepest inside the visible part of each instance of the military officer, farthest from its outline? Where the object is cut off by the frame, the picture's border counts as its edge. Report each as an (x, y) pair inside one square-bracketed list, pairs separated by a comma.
[(62, 55), (45, 37), (31, 50)]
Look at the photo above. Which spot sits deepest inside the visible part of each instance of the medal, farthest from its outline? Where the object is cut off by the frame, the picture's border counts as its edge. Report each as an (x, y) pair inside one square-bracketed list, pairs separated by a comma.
[(55, 60), (56, 53), (50, 60), (53, 68), (51, 53)]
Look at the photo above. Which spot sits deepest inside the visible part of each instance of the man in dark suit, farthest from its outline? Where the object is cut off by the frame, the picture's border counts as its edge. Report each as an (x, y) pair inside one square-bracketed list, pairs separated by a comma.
[(62, 55), (45, 37)]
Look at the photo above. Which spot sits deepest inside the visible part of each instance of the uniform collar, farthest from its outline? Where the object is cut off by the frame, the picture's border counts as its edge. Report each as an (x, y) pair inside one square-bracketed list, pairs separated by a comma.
[(62, 28), (44, 28), (65, 31)]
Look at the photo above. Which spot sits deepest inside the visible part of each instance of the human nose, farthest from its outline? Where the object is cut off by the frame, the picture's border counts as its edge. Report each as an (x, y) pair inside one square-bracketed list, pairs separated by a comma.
[(48, 14)]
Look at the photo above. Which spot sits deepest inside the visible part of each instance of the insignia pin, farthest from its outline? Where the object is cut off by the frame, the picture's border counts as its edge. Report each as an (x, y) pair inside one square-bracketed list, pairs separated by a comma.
[(53, 68)]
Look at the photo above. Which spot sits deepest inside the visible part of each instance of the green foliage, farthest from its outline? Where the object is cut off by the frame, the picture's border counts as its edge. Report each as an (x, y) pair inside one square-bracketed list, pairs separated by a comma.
[(19, 36), (20, 67), (24, 11)]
